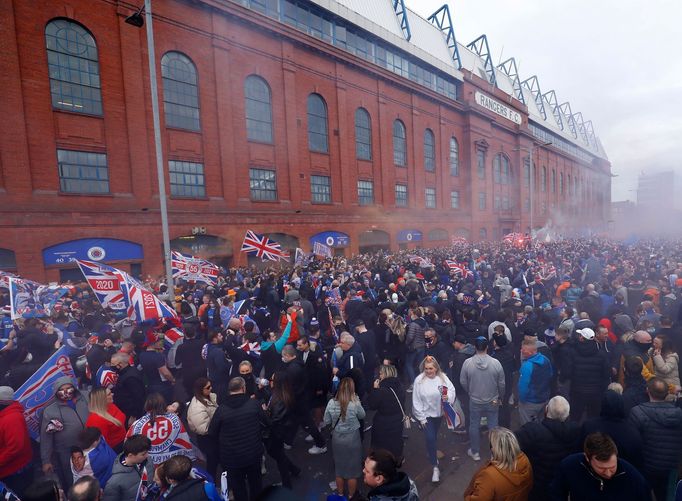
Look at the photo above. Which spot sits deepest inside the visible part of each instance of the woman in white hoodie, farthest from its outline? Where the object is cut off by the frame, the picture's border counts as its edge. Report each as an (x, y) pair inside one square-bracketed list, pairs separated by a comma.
[(199, 414), (431, 388)]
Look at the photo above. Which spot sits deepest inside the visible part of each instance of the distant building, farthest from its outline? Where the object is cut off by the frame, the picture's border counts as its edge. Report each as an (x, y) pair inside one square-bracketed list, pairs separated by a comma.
[(656, 191)]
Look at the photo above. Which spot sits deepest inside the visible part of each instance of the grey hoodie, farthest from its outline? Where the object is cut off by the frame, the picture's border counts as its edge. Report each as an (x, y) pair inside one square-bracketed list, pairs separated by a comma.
[(482, 378), (125, 480)]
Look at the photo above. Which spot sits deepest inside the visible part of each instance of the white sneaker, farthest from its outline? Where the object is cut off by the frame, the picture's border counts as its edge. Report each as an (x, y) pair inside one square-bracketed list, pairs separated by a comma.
[(287, 446), (475, 457), (436, 474), (309, 438), (317, 450)]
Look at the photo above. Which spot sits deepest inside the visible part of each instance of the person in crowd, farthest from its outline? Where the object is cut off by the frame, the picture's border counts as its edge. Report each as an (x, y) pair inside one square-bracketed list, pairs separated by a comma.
[(598, 473), (238, 426), (367, 340), (666, 361), (344, 413), (271, 348), (60, 425), (634, 390), (535, 378), (547, 443), (638, 346), (483, 380), (217, 365), (613, 421), (181, 485), (107, 417), (85, 489), (660, 424), (415, 343), (92, 456), (157, 374), (129, 391), (385, 481), (316, 365), (130, 469), (188, 355), (16, 470), (508, 475), (502, 352), (591, 374), (431, 390), (605, 344), (387, 397), (100, 352), (436, 347), (351, 356), (562, 356), (201, 409), (280, 410), (462, 351)]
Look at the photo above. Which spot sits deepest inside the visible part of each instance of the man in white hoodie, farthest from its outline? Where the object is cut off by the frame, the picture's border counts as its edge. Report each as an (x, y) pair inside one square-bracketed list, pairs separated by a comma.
[(482, 377)]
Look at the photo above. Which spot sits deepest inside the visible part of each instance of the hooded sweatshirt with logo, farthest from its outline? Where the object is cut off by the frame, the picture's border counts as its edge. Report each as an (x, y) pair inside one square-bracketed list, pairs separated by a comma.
[(482, 378)]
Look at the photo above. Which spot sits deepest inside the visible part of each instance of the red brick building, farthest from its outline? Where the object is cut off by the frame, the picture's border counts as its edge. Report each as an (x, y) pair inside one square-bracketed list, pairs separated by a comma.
[(340, 121)]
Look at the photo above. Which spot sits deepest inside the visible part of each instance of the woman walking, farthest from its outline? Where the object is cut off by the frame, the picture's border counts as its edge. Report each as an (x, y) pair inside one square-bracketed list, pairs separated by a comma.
[(107, 418), (199, 414), (343, 414), (388, 399), (431, 388), (280, 411)]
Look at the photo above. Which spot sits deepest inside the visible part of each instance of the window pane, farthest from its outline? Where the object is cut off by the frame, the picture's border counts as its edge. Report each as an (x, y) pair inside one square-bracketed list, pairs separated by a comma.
[(82, 172), (480, 164), (365, 192), (400, 195), (454, 157), (317, 124), (481, 200), (258, 110), (262, 184), (454, 199), (320, 189), (429, 151), (399, 144), (187, 179), (363, 135), (430, 198), (180, 91)]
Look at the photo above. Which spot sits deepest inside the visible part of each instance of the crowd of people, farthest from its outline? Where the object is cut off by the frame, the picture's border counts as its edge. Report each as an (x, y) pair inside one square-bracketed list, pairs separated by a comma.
[(574, 344)]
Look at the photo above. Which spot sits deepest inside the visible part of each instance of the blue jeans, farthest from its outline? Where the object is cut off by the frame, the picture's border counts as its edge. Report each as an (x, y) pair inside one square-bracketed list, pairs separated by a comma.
[(431, 435), (412, 359), (476, 412)]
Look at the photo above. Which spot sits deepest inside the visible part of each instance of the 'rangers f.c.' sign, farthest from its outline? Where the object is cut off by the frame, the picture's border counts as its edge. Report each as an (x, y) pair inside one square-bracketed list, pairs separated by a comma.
[(498, 108)]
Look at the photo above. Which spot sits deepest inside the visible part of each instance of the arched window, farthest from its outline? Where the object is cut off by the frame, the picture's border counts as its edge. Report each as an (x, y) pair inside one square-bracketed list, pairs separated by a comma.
[(454, 157), (501, 169), (363, 134), (317, 124), (258, 109), (180, 91), (399, 144), (73, 67), (506, 170), (543, 179), (429, 151), (497, 174)]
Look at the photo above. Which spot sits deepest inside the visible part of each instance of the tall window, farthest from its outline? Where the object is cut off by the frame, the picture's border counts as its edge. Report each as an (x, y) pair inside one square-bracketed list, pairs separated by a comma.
[(561, 183), (454, 157), (363, 134), (317, 124), (82, 172), (187, 179), (480, 163), (320, 189), (180, 91), (365, 192), (481, 200), (399, 144), (526, 172), (553, 180), (454, 199), (543, 179), (73, 67), (430, 198), (400, 195), (258, 109), (429, 151), (262, 184), (501, 170), (569, 185), (482, 233)]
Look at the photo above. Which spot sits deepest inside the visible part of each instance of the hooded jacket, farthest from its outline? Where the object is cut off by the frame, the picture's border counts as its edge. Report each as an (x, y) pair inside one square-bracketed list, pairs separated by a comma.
[(482, 378), (125, 480), (535, 379), (15, 452), (402, 488), (414, 338), (491, 482), (660, 425), (457, 362), (130, 393), (590, 369)]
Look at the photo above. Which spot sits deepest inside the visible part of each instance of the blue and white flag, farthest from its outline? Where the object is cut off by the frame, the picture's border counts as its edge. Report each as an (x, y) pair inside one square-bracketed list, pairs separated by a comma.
[(319, 249), (36, 393), (30, 299), (301, 258), (194, 269)]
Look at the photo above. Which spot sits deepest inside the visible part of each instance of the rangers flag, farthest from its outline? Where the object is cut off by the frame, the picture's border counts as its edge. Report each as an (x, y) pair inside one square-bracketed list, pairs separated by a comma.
[(167, 434), (263, 247), (193, 269), (143, 305), (30, 299), (319, 249), (460, 270), (105, 282), (301, 258)]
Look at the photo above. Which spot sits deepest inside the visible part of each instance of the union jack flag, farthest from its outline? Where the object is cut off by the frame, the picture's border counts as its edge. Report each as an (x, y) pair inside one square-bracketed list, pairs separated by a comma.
[(548, 271), (334, 297), (515, 238), (459, 270), (263, 247), (195, 269), (143, 305), (105, 282), (422, 262)]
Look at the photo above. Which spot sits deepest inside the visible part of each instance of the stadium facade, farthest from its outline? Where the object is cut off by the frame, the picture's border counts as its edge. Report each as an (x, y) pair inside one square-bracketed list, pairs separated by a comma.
[(357, 124)]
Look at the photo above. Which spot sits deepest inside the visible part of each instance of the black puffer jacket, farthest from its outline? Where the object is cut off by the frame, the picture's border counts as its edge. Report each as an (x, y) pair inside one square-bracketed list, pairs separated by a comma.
[(190, 490), (387, 427), (456, 362), (546, 444), (660, 424), (414, 337), (590, 371), (238, 425)]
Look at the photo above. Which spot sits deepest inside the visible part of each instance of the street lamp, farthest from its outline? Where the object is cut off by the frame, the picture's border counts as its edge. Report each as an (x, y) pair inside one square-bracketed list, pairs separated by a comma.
[(530, 151), (138, 21)]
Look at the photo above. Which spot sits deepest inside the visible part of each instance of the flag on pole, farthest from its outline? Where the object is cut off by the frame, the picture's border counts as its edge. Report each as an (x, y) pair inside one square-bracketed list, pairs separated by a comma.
[(263, 247), (143, 305), (301, 258), (105, 282), (194, 269), (452, 418), (4, 278), (30, 299), (422, 262), (460, 270), (319, 249)]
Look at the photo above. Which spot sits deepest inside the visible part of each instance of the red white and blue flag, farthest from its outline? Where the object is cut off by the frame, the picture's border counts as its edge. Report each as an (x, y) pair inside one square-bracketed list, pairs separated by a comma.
[(167, 434), (143, 305), (319, 249), (105, 281), (143, 488), (263, 247), (421, 261), (4, 278), (30, 299), (334, 297), (515, 238), (194, 269), (459, 270)]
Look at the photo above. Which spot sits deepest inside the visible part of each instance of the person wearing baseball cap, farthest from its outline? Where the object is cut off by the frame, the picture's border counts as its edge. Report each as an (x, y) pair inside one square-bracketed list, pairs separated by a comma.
[(15, 453), (592, 374)]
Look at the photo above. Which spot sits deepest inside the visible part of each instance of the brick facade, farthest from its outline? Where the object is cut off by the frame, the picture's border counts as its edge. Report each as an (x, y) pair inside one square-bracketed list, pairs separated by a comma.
[(227, 43)]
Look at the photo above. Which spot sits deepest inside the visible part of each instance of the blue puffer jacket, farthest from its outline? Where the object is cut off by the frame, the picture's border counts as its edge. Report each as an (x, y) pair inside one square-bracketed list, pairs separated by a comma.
[(535, 379)]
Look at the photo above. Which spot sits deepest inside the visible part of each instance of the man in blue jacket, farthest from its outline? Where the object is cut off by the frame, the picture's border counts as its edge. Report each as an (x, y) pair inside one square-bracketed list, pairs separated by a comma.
[(535, 380)]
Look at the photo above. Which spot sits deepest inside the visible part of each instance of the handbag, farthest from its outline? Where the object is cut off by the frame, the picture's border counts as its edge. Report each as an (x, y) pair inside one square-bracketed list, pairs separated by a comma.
[(407, 423)]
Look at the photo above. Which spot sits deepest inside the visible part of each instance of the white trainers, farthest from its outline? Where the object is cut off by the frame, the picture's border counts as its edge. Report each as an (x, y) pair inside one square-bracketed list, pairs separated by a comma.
[(287, 446), (475, 457), (436, 474), (317, 450), (309, 438)]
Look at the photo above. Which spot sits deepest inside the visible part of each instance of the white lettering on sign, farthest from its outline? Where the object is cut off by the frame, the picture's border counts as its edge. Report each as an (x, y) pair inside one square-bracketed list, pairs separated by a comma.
[(498, 108)]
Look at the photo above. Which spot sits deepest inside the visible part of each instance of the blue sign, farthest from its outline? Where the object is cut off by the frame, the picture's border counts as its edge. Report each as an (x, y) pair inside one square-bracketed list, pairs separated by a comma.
[(409, 236), (331, 239), (101, 250)]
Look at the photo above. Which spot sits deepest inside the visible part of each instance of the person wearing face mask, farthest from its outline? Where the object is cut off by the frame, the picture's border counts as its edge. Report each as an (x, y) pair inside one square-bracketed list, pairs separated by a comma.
[(639, 347), (60, 425)]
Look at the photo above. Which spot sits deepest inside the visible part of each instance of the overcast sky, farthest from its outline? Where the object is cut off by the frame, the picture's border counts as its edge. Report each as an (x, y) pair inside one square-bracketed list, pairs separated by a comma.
[(618, 62)]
